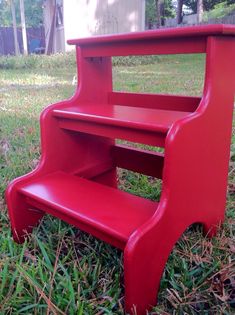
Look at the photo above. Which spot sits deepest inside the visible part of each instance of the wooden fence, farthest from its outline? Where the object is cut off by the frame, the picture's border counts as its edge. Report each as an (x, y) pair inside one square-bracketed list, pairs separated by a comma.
[(229, 19), (7, 39), (192, 20)]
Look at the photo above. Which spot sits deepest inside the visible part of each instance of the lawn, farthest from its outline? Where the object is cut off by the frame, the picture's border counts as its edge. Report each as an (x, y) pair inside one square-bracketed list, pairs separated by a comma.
[(61, 270)]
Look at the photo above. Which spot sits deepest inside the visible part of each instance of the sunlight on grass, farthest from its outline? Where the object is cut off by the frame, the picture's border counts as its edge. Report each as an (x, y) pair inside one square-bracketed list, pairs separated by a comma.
[(150, 73), (169, 75), (32, 80)]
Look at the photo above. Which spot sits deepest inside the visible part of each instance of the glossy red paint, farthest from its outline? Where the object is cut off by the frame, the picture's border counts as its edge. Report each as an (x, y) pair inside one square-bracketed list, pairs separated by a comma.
[(76, 177)]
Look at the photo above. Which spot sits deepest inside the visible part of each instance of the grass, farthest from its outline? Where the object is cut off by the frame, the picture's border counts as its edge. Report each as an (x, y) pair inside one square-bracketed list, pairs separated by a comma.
[(61, 270)]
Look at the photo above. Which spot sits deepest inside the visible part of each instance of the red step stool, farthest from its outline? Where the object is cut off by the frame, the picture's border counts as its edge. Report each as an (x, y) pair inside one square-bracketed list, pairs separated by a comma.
[(76, 177)]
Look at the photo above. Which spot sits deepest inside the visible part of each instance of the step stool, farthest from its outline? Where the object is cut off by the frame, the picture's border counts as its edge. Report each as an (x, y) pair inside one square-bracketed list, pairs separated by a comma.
[(76, 178)]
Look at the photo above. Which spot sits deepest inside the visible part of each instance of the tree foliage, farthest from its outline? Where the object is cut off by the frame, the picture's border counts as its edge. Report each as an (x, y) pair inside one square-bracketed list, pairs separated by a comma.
[(207, 4), (171, 8), (167, 11), (5, 13), (219, 11), (33, 13)]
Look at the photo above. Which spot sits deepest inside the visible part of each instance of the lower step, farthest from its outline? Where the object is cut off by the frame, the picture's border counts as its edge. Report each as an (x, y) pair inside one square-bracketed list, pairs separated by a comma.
[(107, 213)]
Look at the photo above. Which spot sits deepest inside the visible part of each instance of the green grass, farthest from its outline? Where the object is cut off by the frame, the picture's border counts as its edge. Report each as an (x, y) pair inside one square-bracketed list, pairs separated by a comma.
[(61, 270), (178, 75)]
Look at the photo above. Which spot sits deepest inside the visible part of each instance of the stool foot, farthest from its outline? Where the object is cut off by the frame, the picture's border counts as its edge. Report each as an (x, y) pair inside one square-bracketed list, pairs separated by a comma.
[(23, 217), (143, 267)]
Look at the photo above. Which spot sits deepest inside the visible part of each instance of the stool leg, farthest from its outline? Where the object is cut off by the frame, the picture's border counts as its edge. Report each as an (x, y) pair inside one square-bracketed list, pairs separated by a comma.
[(210, 228), (23, 217), (212, 219), (145, 257), (142, 280)]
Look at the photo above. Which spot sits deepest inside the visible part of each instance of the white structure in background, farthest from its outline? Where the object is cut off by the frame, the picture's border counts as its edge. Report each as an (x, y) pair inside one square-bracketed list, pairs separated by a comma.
[(66, 19)]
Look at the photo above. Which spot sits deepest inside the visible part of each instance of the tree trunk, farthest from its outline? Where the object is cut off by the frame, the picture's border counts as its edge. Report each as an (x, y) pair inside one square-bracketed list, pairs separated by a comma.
[(159, 12), (51, 33), (13, 13), (179, 11), (199, 10), (23, 26)]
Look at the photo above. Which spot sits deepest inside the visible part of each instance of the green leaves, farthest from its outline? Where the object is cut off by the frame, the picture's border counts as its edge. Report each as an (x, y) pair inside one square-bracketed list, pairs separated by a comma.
[(33, 13)]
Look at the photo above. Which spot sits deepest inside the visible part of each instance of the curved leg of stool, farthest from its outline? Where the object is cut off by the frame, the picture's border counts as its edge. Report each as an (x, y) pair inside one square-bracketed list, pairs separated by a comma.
[(23, 217), (210, 229), (144, 262)]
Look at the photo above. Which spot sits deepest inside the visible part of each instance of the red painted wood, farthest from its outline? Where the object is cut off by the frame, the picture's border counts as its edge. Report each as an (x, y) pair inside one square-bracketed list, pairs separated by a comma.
[(92, 170), (160, 47), (144, 125), (137, 160), (69, 197), (194, 177), (114, 132), (180, 32), (155, 120), (180, 40), (155, 101), (76, 177)]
